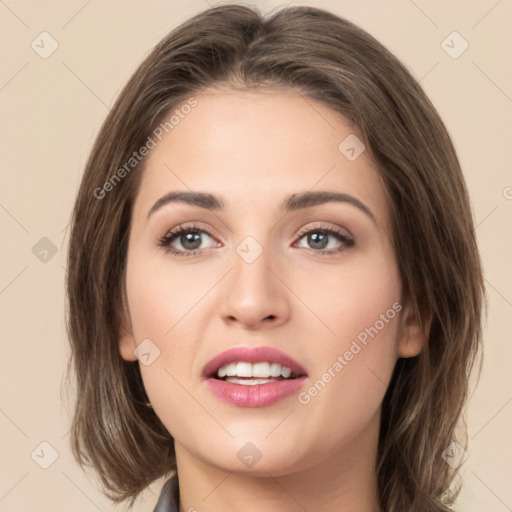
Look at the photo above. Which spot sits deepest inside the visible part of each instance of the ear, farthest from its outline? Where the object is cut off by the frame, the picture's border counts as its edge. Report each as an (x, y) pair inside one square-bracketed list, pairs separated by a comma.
[(412, 336), (126, 338)]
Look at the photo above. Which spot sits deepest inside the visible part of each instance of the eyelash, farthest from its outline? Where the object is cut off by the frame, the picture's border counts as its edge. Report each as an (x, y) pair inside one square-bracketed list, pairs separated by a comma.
[(167, 239)]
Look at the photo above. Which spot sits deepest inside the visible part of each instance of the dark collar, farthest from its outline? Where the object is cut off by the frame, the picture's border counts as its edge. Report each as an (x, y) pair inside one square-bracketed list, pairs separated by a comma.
[(169, 500)]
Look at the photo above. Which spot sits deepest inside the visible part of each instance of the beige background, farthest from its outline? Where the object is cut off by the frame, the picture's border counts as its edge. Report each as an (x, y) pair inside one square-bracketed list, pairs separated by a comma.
[(51, 110)]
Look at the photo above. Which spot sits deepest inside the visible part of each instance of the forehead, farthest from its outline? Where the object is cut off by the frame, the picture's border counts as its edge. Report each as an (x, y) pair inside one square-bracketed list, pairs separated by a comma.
[(253, 148)]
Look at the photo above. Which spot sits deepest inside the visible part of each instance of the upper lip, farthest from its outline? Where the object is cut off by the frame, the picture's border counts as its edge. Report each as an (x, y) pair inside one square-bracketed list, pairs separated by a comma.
[(252, 355)]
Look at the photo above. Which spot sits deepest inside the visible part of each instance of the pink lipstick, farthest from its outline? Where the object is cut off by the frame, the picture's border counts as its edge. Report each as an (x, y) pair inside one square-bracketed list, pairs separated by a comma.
[(253, 377)]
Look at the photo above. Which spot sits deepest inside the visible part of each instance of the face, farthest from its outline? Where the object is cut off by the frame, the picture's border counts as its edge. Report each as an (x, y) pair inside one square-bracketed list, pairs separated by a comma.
[(285, 266)]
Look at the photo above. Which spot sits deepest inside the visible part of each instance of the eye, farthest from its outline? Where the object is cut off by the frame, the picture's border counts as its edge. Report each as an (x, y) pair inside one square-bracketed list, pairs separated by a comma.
[(324, 240), (191, 238)]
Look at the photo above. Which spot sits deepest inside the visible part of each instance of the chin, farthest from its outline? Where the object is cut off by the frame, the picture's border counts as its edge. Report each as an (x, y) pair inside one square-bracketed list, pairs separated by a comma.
[(257, 458)]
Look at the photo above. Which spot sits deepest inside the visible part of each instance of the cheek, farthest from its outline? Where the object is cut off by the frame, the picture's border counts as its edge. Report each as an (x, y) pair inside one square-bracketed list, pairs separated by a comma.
[(358, 297), (162, 298), (353, 366), (166, 307), (158, 313)]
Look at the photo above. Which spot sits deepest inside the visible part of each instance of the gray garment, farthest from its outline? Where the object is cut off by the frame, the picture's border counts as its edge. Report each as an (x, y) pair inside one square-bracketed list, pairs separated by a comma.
[(169, 500)]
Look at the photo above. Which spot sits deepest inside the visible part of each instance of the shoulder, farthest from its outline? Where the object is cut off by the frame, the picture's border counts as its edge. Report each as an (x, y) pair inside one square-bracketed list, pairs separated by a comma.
[(169, 499)]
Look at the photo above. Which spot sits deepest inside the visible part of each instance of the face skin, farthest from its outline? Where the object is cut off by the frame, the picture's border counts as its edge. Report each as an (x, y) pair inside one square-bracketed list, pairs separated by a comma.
[(252, 150)]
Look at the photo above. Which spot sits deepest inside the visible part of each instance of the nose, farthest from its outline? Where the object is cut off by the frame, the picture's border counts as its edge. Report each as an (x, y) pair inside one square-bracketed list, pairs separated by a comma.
[(255, 295)]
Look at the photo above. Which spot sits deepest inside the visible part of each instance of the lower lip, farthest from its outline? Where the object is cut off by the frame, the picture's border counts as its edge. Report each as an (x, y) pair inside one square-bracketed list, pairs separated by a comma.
[(258, 395)]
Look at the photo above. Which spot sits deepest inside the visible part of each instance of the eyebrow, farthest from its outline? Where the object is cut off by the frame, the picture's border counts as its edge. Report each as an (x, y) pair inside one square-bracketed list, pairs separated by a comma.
[(291, 203)]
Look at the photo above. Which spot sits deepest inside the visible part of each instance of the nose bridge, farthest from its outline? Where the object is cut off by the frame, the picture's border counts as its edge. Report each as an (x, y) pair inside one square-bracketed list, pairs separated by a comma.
[(254, 294), (251, 265)]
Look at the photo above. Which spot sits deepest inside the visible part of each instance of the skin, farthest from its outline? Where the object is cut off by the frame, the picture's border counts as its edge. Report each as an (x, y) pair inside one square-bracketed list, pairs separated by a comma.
[(253, 149)]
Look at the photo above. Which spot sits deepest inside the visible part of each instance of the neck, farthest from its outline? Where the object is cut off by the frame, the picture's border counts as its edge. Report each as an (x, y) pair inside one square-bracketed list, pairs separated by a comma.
[(345, 481)]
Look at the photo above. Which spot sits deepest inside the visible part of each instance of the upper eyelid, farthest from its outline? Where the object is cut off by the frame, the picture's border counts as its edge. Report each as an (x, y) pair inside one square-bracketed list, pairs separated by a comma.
[(193, 226), (336, 230), (185, 227)]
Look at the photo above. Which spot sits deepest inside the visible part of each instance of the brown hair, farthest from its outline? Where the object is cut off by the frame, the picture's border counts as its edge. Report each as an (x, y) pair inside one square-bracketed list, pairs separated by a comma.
[(328, 59)]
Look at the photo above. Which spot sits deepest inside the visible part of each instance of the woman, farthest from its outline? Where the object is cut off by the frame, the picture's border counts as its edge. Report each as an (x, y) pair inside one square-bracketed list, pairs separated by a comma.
[(274, 286)]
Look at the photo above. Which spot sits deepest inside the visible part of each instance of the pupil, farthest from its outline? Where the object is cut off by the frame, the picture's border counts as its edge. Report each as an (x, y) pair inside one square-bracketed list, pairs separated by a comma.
[(192, 238), (318, 240)]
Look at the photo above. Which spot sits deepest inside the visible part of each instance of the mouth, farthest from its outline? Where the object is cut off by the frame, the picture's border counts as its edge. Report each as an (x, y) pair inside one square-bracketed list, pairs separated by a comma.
[(253, 377)]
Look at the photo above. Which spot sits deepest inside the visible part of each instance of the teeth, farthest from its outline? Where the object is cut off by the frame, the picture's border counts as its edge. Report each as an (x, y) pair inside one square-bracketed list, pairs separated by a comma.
[(244, 370), (275, 370), (229, 370), (248, 382), (262, 370)]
